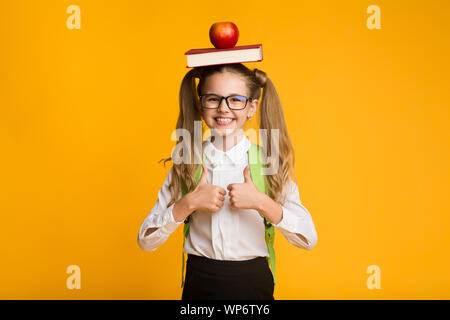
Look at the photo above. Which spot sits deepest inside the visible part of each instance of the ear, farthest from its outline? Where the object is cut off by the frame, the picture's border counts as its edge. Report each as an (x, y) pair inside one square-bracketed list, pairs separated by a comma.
[(198, 106), (253, 106)]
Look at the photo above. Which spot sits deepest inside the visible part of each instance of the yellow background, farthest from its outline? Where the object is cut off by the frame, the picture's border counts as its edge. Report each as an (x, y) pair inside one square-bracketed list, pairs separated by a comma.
[(86, 114)]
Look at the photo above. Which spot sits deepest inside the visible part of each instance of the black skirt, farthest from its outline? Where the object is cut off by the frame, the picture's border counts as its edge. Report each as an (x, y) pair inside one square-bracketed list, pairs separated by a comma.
[(209, 279)]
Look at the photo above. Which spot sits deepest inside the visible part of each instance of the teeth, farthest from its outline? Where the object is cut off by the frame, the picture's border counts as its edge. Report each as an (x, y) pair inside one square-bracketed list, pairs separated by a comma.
[(222, 120)]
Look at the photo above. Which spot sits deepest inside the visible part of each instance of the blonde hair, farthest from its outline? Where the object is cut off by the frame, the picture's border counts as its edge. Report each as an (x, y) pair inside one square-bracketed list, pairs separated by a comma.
[(271, 117)]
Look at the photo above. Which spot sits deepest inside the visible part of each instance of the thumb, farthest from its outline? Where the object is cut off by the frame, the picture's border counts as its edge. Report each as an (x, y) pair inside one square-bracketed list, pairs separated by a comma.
[(247, 175), (204, 174)]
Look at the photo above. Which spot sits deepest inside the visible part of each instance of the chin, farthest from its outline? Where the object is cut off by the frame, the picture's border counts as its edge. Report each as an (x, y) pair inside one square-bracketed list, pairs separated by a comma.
[(224, 132)]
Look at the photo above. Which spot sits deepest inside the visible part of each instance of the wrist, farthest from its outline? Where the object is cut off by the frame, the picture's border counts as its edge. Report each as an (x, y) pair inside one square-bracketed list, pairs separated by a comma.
[(183, 208), (270, 209), (261, 203), (189, 203)]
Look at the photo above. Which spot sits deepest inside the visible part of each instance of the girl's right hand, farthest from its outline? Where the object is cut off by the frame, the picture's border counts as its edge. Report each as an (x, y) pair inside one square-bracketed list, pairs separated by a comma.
[(204, 197), (207, 197)]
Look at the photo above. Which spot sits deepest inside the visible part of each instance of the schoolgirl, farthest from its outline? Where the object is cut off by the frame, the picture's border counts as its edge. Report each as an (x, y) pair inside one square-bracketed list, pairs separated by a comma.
[(228, 208)]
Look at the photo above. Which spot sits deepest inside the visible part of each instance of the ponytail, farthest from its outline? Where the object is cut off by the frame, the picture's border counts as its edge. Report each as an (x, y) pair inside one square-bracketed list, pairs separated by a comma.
[(184, 172), (272, 117)]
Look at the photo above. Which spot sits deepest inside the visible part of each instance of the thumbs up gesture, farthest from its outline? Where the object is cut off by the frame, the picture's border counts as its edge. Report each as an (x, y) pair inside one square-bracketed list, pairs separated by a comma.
[(207, 197), (244, 195)]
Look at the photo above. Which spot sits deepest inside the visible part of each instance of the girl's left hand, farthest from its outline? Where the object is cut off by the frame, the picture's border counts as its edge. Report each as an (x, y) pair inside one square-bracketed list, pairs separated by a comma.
[(244, 195)]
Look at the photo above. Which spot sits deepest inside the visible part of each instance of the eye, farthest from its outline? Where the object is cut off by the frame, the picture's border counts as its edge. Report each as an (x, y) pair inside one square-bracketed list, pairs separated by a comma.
[(212, 98), (238, 98)]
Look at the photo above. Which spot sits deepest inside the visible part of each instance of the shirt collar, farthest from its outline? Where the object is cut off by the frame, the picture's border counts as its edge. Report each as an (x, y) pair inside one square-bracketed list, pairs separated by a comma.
[(236, 155)]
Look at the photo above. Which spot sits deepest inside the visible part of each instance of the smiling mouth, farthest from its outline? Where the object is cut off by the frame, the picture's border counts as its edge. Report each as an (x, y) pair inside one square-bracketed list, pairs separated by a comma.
[(223, 121)]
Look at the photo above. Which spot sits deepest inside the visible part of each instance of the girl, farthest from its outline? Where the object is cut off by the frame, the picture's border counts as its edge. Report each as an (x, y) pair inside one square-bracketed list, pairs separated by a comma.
[(227, 214)]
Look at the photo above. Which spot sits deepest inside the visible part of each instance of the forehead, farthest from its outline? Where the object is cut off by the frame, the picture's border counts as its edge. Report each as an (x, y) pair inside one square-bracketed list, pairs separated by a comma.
[(225, 83)]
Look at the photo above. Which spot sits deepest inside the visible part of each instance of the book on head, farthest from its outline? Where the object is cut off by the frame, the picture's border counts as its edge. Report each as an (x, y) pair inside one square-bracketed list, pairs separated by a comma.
[(212, 56)]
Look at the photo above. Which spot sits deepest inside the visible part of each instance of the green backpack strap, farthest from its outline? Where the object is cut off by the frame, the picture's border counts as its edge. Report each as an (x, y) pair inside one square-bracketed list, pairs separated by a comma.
[(256, 167), (187, 221)]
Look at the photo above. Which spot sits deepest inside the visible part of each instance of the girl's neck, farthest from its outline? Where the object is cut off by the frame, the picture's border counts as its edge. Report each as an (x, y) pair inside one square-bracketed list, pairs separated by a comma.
[(225, 143)]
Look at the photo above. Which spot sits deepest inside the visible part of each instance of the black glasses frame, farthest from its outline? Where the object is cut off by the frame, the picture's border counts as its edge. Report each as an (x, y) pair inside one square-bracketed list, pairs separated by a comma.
[(247, 99)]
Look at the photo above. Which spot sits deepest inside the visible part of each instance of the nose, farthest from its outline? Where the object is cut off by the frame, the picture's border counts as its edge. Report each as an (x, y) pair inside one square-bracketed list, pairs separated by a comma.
[(223, 107)]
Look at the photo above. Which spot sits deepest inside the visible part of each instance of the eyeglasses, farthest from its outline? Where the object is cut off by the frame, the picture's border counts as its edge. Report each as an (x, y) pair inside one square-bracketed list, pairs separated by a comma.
[(234, 102)]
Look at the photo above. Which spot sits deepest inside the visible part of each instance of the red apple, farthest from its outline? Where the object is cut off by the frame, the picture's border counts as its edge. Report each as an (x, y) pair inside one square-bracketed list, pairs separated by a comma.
[(223, 35)]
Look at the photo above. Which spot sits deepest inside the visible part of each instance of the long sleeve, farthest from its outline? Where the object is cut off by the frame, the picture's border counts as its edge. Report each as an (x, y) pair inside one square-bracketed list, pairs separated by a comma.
[(160, 217), (297, 220)]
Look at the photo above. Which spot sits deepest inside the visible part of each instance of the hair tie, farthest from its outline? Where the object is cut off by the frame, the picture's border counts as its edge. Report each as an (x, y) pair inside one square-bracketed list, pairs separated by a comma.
[(260, 76), (197, 72)]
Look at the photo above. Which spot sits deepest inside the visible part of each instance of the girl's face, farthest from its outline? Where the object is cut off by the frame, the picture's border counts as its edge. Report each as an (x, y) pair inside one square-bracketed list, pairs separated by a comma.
[(223, 120)]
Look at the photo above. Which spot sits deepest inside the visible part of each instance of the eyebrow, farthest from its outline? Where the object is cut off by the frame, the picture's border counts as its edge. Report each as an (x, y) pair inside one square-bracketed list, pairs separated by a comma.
[(231, 94)]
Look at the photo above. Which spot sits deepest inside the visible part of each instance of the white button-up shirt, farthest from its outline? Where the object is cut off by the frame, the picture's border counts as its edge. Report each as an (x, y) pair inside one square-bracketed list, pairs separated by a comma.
[(227, 234)]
